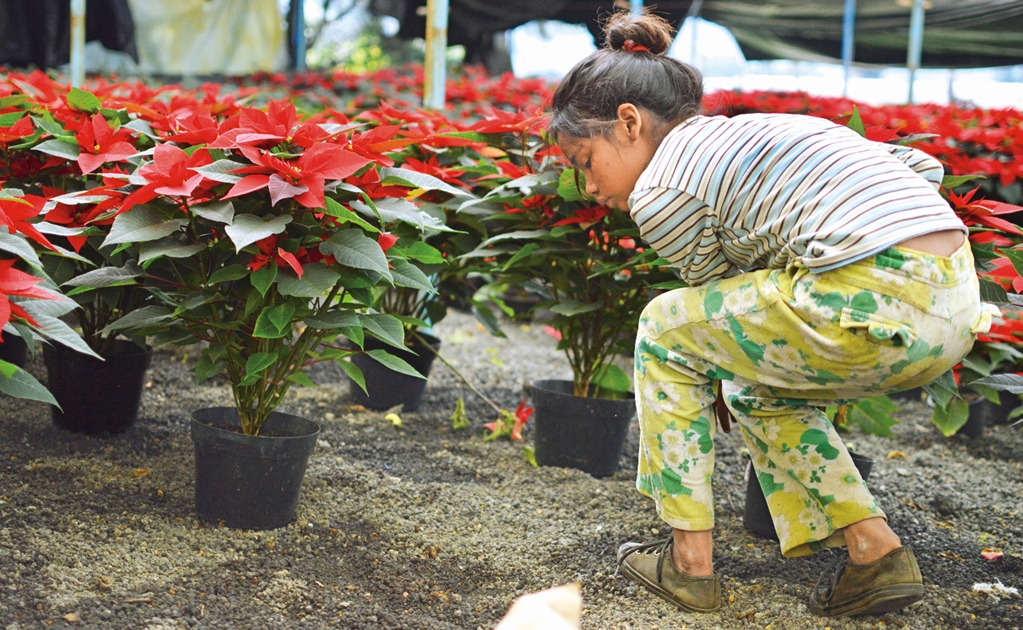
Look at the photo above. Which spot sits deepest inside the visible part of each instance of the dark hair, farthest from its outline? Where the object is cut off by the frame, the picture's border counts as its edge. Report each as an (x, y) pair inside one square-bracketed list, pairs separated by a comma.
[(585, 103)]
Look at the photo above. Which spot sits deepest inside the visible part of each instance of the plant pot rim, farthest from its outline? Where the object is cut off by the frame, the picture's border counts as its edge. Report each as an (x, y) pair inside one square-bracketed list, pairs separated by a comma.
[(555, 385), (313, 427)]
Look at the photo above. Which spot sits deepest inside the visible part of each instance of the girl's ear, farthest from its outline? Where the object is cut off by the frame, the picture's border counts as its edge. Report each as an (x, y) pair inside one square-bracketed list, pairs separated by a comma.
[(631, 120)]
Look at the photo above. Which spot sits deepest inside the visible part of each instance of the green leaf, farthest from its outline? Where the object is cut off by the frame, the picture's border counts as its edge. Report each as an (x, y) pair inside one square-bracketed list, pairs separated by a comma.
[(317, 279), (83, 101), (612, 377), (419, 251), (59, 148), (56, 330), (574, 307), (259, 362), (169, 247), (264, 277), (874, 415), (391, 209), (333, 319), (246, 229), (993, 292), (206, 367), (419, 180), (219, 171), (856, 123), (139, 318), (353, 372), (458, 418), (517, 235), (20, 247), (1015, 256), (335, 209), (216, 211), (107, 276), (229, 274), (274, 321), (354, 249), (9, 119), (951, 181), (386, 328), (141, 224), (529, 453), (18, 383), (952, 419), (405, 274), (524, 252), (1012, 383), (394, 363), (567, 188), (301, 379)]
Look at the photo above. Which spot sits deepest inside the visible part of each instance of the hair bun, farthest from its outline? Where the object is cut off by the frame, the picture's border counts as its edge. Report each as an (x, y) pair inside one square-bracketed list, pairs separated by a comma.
[(629, 32)]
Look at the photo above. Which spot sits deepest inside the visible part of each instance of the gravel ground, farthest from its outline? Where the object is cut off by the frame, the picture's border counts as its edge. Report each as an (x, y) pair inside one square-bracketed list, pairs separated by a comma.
[(425, 527)]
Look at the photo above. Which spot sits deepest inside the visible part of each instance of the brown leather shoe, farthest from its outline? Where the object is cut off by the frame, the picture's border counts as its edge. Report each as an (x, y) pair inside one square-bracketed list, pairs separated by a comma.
[(652, 566), (846, 589)]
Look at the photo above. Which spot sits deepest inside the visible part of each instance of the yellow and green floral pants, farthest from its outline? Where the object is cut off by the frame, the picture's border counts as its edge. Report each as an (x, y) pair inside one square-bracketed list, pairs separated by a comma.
[(783, 344)]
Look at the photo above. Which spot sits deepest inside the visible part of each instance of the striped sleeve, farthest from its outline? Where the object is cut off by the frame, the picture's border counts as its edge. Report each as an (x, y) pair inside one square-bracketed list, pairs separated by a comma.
[(683, 230), (924, 165)]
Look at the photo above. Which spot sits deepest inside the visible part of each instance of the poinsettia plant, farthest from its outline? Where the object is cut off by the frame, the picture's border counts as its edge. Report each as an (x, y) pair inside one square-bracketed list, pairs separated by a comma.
[(585, 261), (261, 241)]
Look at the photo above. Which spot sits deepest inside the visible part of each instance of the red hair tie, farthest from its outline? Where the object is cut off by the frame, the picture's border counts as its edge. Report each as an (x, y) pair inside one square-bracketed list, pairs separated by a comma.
[(631, 46)]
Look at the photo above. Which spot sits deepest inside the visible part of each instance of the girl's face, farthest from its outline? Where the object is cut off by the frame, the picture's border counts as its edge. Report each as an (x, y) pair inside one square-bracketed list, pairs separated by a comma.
[(612, 165)]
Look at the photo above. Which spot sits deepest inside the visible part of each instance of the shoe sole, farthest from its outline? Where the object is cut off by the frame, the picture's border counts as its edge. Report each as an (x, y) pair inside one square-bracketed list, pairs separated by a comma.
[(876, 602), (656, 589)]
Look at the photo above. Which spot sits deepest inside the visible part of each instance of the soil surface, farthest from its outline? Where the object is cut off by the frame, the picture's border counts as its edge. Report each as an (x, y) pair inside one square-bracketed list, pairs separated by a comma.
[(422, 526)]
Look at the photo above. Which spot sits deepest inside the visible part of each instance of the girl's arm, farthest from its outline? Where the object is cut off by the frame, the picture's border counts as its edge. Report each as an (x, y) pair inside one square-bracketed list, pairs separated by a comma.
[(684, 231), (924, 165)]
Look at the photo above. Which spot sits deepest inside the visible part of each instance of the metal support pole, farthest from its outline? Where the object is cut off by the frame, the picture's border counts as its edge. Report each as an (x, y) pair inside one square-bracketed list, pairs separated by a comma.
[(436, 53), (916, 43), (77, 43), (848, 42), (298, 32), (637, 6), (694, 16)]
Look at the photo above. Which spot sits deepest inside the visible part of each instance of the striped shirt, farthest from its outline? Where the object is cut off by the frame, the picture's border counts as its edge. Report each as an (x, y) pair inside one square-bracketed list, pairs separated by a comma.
[(723, 196)]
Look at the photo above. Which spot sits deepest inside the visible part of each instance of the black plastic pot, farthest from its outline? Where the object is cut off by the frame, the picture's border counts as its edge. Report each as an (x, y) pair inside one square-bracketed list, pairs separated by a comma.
[(574, 432), (916, 394), (989, 413), (386, 388), (756, 518), (245, 481), (14, 349), (97, 396)]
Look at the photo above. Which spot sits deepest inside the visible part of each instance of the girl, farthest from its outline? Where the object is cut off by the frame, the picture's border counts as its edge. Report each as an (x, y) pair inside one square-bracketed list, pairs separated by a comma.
[(823, 268)]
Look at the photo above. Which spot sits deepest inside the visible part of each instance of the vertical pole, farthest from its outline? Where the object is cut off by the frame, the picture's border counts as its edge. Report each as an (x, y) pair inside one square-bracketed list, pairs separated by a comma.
[(298, 33), (637, 6), (848, 42), (436, 53), (916, 42), (77, 43), (693, 15)]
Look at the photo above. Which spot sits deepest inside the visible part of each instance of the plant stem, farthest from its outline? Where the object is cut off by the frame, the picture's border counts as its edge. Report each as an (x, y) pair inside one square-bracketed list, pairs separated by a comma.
[(457, 373)]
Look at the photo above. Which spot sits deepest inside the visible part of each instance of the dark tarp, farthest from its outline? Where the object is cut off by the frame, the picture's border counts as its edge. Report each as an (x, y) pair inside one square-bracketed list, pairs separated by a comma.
[(957, 33), (38, 32)]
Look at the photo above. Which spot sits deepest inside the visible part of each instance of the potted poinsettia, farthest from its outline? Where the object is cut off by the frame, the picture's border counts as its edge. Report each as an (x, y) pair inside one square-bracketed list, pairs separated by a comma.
[(258, 245), (60, 147), (587, 263)]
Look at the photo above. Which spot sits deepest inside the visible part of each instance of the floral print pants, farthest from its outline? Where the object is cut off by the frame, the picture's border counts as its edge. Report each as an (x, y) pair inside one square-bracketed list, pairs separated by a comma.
[(783, 344)]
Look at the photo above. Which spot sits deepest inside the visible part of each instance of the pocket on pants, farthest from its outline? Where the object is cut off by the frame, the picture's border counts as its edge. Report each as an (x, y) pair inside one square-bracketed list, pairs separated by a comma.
[(877, 329)]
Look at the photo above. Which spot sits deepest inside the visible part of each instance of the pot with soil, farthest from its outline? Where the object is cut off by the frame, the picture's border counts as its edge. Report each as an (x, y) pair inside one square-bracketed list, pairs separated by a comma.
[(986, 413), (387, 388), (756, 517), (576, 432), (97, 397), (250, 481)]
